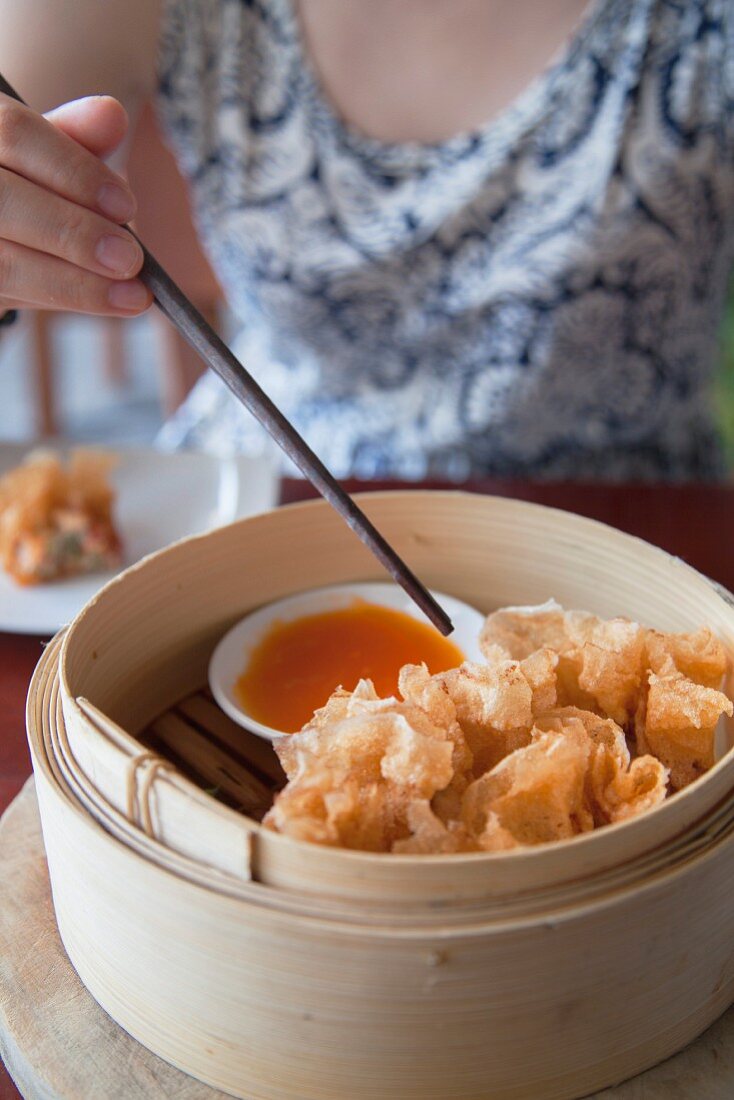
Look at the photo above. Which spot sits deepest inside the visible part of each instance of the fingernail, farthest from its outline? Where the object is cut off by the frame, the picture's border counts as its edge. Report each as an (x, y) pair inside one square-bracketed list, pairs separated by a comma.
[(128, 296), (116, 202), (118, 254)]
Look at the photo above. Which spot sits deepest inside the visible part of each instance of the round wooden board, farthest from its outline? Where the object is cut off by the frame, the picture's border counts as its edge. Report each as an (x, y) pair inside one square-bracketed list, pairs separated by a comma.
[(58, 1044)]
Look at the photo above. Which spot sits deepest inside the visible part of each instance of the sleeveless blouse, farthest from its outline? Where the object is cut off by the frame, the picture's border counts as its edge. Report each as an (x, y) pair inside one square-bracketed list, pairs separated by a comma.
[(541, 297)]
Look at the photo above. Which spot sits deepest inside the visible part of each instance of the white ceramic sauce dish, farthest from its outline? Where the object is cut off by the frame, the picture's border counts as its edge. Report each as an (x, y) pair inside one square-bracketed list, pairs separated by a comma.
[(231, 656)]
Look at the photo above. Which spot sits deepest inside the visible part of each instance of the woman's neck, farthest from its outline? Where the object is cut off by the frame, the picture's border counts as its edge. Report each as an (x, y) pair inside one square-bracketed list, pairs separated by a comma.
[(425, 70)]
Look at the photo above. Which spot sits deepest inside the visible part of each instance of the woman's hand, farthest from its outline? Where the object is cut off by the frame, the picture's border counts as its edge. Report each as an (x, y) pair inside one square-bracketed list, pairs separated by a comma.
[(62, 245)]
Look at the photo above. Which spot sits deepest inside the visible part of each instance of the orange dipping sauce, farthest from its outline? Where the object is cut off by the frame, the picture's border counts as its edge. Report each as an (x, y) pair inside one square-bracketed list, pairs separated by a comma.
[(297, 665)]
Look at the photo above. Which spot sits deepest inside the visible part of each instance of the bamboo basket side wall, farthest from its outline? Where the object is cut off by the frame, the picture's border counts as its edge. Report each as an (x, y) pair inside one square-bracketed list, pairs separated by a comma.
[(269, 1006)]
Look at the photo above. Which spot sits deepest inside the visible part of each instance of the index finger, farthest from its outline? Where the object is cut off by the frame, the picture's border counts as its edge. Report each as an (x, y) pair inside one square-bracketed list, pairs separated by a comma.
[(33, 147)]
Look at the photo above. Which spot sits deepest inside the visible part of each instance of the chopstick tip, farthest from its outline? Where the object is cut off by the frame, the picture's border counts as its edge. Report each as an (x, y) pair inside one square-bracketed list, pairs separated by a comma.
[(444, 624)]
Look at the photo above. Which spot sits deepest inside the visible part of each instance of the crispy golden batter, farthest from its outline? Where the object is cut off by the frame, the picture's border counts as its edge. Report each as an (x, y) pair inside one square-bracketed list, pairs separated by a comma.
[(676, 721), (532, 746)]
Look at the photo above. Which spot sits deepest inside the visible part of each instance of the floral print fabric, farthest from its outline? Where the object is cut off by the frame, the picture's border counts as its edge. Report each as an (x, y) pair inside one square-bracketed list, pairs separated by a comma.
[(538, 298)]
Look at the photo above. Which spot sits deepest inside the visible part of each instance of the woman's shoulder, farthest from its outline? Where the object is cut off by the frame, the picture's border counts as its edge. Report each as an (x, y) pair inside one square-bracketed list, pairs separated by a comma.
[(704, 28), (199, 24), (220, 56), (217, 46), (691, 53)]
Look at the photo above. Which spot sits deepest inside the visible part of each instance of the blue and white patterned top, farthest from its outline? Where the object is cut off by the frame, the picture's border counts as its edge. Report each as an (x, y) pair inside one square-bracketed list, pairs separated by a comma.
[(541, 297)]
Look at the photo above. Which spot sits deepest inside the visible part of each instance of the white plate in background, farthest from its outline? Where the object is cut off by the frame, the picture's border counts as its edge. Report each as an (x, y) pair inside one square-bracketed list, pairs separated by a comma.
[(160, 498)]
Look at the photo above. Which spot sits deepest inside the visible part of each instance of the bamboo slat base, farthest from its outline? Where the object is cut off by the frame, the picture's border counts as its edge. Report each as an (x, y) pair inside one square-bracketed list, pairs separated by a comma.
[(235, 766)]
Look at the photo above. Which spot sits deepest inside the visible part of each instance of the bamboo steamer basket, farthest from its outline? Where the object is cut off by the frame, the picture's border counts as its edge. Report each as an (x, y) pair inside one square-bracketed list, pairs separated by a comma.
[(268, 1003), (273, 969), (146, 638)]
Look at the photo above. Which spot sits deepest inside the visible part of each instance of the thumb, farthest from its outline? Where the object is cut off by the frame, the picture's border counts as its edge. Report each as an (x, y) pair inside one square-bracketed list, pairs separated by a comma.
[(97, 122)]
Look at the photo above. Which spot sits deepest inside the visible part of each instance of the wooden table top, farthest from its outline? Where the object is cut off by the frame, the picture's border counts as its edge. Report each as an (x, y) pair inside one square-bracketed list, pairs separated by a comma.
[(695, 522)]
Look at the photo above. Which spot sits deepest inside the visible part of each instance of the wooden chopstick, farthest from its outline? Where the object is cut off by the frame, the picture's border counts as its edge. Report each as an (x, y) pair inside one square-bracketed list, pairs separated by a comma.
[(172, 301)]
